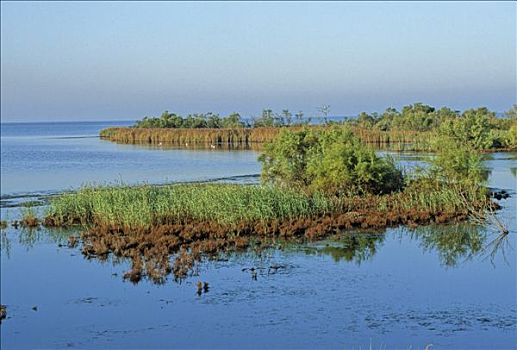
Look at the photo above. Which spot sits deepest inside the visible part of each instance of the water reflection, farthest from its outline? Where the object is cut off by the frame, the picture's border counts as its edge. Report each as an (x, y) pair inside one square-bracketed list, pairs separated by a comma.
[(453, 244), (351, 247), (29, 237), (499, 245)]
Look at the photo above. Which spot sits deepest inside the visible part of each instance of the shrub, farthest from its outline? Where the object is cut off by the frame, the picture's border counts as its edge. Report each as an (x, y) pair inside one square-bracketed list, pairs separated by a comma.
[(473, 128), (457, 162), (330, 160)]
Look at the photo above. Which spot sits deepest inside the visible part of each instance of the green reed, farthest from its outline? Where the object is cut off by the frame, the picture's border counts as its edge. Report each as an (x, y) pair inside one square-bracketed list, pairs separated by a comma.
[(147, 205)]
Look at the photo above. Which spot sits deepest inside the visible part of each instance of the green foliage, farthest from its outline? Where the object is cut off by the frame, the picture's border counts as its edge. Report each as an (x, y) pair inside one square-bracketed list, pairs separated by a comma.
[(415, 117), (414, 126), (457, 162), (328, 160), (285, 159), (266, 120), (192, 121), (232, 121), (512, 113), (478, 127), (511, 137), (472, 128), (144, 206)]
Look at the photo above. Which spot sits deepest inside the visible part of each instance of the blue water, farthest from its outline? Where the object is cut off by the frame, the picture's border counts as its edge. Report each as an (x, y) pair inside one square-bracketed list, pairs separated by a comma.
[(62, 156), (397, 289)]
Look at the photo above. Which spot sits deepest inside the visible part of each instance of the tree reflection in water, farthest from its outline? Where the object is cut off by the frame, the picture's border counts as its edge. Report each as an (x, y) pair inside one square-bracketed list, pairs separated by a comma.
[(453, 244)]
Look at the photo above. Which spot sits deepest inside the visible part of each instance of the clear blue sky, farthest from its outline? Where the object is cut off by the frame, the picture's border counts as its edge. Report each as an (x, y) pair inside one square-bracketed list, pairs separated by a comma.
[(102, 60)]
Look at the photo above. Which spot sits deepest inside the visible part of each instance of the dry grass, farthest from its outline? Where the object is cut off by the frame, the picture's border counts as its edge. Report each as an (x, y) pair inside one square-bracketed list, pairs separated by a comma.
[(250, 137)]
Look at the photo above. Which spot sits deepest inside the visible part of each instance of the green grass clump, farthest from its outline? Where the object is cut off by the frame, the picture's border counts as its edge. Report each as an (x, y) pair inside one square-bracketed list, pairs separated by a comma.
[(229, 204), (143, 206)]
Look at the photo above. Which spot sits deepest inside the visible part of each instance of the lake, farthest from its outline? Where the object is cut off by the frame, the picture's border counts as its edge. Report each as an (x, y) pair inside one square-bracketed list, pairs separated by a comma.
[(399, 288)]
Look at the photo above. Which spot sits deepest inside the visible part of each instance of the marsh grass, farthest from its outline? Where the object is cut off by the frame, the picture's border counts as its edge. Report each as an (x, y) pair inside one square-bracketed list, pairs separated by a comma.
[(228, 204), (147, 205), (396, 140), (29, 217), (148, 224)]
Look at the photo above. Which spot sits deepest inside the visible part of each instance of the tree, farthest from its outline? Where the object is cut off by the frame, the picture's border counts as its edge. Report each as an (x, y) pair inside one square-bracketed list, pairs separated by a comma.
[(365, 120), (472, 127), (288, 116), (512, 113), (266, 119), (213, 121), (324, 111), (457, 162), (299, 117), (233, 121)]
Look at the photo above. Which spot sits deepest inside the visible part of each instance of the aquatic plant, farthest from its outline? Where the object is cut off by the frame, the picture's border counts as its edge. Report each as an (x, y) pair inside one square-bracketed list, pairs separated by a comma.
[(29, 217), (396, 140), (318, 181), (413, 128), (148, 224), (149, 205)]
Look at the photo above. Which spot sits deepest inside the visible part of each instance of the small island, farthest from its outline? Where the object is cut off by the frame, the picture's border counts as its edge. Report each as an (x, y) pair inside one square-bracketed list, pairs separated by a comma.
[(316, 181)]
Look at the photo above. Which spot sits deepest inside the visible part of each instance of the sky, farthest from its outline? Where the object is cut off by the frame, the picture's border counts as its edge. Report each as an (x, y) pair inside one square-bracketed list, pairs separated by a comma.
[(125, 60)]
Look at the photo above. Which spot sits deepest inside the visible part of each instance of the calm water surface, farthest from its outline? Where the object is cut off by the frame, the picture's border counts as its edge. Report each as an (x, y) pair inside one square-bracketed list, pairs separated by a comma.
[(398, 289), (59, 156)]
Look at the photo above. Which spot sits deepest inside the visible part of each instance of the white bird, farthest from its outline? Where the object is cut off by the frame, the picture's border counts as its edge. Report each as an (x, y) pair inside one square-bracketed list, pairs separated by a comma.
[(212, 146)]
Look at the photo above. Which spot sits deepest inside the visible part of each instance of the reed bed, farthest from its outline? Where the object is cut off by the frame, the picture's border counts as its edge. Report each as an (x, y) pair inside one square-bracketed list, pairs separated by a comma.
[(149, 224), (147, 205), (228, 204), (397, 140)]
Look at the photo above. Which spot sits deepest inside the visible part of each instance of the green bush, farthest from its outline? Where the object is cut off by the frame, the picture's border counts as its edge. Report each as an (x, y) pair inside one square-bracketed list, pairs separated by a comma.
[(330, 160), (457, 162), (473, 127)]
